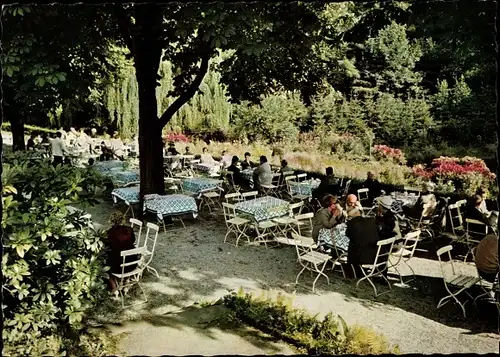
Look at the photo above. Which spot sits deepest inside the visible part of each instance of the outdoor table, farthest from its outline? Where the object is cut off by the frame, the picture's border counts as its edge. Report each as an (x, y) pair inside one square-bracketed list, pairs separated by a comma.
[(125, 177), (171, 205), (304, 188), (247, 174), (127, 194), (106, 166), (337, 234), (402, 200), (264, 208), (200, 184), (207, 168)]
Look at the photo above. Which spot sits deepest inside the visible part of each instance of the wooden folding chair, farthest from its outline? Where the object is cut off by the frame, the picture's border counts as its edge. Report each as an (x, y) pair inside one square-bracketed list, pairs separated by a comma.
[(252, 195), (235, 225), (405, 253), (135, 222), (455, 284), (456, 222), (233, 197), (126, 280), (301, 177), (150, 240), (285, 224), (310, 260), (378, 268), (304, 224), (474, 231)]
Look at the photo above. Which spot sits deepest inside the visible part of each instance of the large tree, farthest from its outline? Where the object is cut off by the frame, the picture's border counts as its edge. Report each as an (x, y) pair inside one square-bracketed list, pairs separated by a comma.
[(270, 42)]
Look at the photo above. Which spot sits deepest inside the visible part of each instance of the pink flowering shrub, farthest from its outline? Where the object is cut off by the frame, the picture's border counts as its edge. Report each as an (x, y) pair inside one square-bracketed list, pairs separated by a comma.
[(176, 137), (386, 153)]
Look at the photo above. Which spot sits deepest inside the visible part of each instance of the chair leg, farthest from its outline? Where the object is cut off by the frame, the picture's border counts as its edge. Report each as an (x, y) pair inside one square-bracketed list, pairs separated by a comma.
[(153, 270), (320, 273), (297, 278)]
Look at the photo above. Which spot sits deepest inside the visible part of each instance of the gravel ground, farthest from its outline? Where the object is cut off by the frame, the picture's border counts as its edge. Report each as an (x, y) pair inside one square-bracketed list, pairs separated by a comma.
[(195, 265)]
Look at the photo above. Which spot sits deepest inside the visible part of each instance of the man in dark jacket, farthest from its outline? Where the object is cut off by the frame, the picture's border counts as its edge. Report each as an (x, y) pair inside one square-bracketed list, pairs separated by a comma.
[(373, 186), (363, 238), (329, 185)]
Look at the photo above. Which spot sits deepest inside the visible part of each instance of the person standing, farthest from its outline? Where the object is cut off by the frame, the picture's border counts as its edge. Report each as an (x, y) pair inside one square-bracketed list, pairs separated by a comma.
[(58, 149)]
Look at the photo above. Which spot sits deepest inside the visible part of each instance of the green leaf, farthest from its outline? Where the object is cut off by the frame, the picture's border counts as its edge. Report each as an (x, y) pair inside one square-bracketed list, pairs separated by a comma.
[(10, 72)]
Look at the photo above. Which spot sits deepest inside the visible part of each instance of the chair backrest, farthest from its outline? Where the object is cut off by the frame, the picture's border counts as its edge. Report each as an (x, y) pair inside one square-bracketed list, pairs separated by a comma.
[(195, 162), (139, 259), (444, 264), (276, 179), (135, 222), (475, 228), (287, 173), (303, 243), (289, 179), (456, 219), (232, 196), (379, 258), (150, 239), (363, 195), (295, 206), (229, 211), (346, 188), (411, 241), (249, 195), (301, 177), (306, 217), (408, 189)]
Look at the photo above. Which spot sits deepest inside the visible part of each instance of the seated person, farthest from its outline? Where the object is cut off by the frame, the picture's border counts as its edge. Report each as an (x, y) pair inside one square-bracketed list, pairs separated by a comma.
[(487, 258), (263, 174), (481, 192), (474, 211), (363, 237), (328, 216), (187, 151), (107, 152), (225, 160), (329, 185), (31, 144), (171, 149), (238, 178), (351, 206), (206, 158), (117, 145), (246, 163), (373, 186), (426, 201), (285, 167), (387, 223), (120, 238)]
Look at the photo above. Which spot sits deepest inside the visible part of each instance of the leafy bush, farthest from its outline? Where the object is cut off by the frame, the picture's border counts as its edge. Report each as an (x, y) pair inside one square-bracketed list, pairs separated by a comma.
[(342, 144), (329, 336), (53, 262), (384, 152)]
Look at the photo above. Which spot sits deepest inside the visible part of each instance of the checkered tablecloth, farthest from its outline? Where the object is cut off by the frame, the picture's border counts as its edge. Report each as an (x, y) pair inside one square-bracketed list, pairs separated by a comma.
[(402, 200), (198, 185), (206, 168), (336, 235), (247, 174), (106, 166), (171, 205), (303, 188), (125, 177), (129, 194), (264, 208)]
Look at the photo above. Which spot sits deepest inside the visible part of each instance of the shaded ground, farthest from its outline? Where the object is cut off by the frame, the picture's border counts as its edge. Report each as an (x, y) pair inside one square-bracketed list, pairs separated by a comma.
[(195, 265)]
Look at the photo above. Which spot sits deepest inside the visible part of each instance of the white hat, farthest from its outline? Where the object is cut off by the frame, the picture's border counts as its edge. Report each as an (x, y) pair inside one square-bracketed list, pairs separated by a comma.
[(385, 202)]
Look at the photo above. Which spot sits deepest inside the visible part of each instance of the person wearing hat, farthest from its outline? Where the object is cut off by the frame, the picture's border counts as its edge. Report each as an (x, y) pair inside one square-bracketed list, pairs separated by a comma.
[(425, 205), (387, 224)]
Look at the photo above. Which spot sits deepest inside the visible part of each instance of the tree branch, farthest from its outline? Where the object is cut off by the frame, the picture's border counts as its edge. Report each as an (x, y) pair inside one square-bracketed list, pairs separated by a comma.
[(188, 94), (124, 24)]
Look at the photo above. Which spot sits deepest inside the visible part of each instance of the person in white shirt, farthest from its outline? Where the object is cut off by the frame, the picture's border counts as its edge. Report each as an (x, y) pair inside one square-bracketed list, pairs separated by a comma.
[(117, 145), (263, 174), (206, 158), (225, 160), (58, 149)]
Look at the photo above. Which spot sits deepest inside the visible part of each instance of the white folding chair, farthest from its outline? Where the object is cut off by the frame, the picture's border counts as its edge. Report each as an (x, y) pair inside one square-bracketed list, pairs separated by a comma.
[(474, 231), (150, 245), (210, 199), (456, 283), (408, 190), (126, 280), (289, 179), (340, 257), (252, 195), (363, 196), (235, 225), (461, 203), (456, 222), (135, 222), (233, 197), (127, 203), (310, 260), (285, 223), (304, 223), (301, 177), (345, 192), (405, 253), (379, 267)]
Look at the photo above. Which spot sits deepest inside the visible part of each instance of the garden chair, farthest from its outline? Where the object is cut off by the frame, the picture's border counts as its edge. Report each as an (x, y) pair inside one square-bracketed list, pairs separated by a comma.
[(271, 190), (304, 223), (252, 195), (345, 192), (310, 260), (487, 287), (461, 203), (408, 190), (287, 183), (363, 197), (126, 280), (379, 266), (454, 283), (405, 253), (210, 199), (150, 240), (474, 231), (286, 223), (135, 222), (340, 258), (235, 225), (301, 177), (229, 180), (456, 222), (264, 229), (127, 203), (232, 197)]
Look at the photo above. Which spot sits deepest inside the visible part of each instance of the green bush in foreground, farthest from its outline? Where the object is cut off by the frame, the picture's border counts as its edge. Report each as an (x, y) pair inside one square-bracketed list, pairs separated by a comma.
[(330, 336), (53, 262)]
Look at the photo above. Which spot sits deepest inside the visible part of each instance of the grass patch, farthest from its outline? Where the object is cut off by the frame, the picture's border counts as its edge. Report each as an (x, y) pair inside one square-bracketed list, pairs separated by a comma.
[(330, 336)]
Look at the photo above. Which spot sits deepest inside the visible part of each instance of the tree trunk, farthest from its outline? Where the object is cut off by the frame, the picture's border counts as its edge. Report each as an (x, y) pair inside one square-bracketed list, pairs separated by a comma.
[(147, 55), (17, 129)]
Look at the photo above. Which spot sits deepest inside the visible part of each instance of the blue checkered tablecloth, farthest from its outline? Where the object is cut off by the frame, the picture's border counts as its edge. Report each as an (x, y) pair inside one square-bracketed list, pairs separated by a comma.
[(206, 168), (264, 208), (336, 235), (198, 185), (247, 174), (303, 188), (125, 177), (106, 166), (129, 194), (402, 200), (171, 205)]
